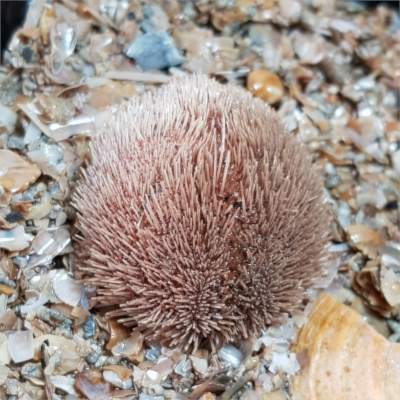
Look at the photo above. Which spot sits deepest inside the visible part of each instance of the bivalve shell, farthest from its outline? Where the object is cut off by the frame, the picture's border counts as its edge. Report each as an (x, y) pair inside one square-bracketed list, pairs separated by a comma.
[(343, 357)]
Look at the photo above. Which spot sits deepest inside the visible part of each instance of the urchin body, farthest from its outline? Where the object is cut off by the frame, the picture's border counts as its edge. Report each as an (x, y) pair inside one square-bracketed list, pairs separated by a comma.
[(201, 217)]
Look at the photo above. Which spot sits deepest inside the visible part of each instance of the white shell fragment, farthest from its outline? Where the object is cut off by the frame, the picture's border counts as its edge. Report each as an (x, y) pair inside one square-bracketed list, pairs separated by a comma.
[(113, 378), (231, 355), (67, 289), (280, 345), (130, 346), (20, 346), (390, 282), (44, 243), (16, 174), (14, 239), (5, 356), (288, 363), (65, 383), (35, 305), (8, 118), (199, 364), (151, 377)]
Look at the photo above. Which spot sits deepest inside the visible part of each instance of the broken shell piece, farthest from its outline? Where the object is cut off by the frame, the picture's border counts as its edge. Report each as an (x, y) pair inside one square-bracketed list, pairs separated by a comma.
[(276, 395), (231, 355), (250, 363), (199, 365), (4, 375), (342, 357), (118, 333), (123, 372), (365, 283), (151, 377), (115, 380), (65, 383), (14, 239), (5, 289), (92, 386), (137, 377), (56, 109), (156, 390), (67, 289), (163, 367), (309, 49), (20, 346), (5, 356), (264, 381), (390, 285), (80, 315), (35, 305), (360, 233), (8, 319), (280, 345), (44, 243), (69, 362), (129, 347), (8, 118), (362, 238), (298, 317), (56, 343), (31, 370), (16, 174), (38, 211), (285, 362)]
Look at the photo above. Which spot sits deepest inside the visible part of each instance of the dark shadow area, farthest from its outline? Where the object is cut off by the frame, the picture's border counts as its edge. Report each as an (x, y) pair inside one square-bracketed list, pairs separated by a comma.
[(12, 17)]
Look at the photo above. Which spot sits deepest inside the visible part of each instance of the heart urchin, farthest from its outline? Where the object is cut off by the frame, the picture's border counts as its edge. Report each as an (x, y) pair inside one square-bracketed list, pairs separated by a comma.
[(201, 217)]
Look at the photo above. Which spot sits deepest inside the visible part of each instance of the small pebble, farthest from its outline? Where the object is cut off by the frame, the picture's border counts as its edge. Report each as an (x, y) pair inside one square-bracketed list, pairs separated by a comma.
[(331, 181), (395, 337), (155, 50), (15, 143), (89, 328), (7, 281), (93, 356), (27, 53), (394, 326), (265, 85), (330, 169)]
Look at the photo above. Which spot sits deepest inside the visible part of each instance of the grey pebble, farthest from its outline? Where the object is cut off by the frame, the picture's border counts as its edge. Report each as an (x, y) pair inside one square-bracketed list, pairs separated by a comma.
[(93, 356), (15, 143), (331, 181), (89, 328), (394, 326), (395, 337), (155, 50)]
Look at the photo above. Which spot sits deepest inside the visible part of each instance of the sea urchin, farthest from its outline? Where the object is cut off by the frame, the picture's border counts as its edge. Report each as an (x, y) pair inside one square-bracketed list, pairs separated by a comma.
[(202, 218)]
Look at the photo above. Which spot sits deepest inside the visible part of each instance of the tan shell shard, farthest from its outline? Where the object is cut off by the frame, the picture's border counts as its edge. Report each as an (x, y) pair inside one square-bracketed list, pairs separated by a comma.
[(16, 174), (343, 358)]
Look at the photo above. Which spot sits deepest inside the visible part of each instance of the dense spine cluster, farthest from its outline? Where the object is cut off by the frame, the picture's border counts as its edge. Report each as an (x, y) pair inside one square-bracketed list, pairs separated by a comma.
[(201, 217)]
